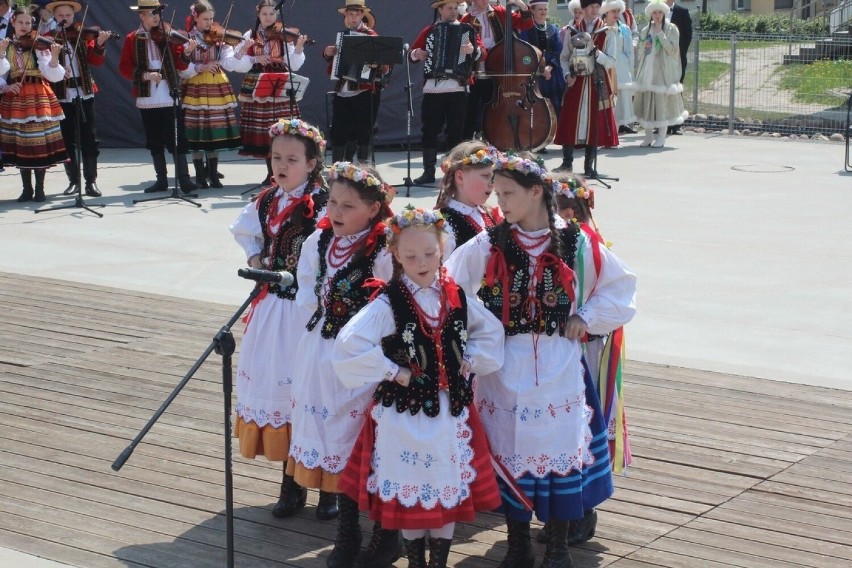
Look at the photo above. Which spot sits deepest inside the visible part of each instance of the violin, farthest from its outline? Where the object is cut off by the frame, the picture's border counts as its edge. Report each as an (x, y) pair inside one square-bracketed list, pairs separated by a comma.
[(73, 32), (218, 34), (34, 41), (278, 31), (165, 33)]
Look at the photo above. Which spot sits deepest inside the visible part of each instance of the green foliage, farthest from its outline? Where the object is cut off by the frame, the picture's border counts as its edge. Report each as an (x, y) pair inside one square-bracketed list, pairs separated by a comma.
[(814, 83), (762, 24)]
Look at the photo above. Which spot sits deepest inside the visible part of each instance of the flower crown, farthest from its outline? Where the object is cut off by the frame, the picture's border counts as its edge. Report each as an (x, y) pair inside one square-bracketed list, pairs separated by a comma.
[(296, 127), (535, 168), (412, 217), (483, 157), (351, 172)]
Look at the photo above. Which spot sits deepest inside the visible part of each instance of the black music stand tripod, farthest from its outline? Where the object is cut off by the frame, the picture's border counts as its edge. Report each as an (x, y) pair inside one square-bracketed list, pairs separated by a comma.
[(598, 74), (408, 183), (223, 343)]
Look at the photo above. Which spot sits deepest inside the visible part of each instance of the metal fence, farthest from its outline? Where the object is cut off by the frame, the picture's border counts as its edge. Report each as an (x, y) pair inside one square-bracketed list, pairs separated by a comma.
[(765, 83)]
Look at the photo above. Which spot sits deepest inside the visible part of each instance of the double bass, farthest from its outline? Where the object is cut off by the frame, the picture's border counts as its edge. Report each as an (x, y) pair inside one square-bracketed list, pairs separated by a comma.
[(518, 117)]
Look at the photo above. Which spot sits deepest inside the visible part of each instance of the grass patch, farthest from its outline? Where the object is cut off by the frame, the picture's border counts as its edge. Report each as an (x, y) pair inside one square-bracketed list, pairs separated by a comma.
[(708, 71), (812, 83), (725, 45)]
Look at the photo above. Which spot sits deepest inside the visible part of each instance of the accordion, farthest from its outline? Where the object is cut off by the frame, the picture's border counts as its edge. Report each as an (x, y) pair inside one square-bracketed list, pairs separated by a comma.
[(351, 72), (444, 59)]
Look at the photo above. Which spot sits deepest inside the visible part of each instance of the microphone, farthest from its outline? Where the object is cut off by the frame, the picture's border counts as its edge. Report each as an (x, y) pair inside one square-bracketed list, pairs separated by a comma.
[(282, 278), (405, 48)]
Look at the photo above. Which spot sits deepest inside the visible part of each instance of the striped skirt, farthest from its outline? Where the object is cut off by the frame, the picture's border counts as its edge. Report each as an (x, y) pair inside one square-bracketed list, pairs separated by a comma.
[(256, 116), (209, 113), (30, 136)]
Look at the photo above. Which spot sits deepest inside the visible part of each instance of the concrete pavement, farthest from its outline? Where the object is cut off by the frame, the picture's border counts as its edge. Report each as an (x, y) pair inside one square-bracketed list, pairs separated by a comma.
[(743, 246)]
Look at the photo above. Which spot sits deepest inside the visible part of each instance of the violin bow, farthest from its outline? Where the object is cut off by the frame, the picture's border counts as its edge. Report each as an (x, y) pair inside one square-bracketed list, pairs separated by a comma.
[(228, 16), (79, 35)]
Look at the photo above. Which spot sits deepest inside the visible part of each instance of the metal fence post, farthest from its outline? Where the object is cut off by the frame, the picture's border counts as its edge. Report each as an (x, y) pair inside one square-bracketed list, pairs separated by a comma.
[(733, 83), (695, 66)]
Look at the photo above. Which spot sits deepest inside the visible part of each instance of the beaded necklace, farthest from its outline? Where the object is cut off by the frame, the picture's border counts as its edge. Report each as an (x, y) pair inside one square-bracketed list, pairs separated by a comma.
[(433, 328), (528, 243), (338, 254)]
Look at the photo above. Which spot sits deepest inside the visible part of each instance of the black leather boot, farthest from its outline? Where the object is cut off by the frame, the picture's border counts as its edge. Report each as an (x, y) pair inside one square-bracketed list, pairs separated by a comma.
[(384, 549), (268, 180), (589, 162), (327, 506), (71, 172), (90, 174), (292, 498), (415, 550), (557, 555), (39, 185), (567, 164), (338, 153), (542, 537), (162, 183), (213, 172), (365, 153), (200, 174), (348, 542), (584, 529), (520, 553), (349, 151), (439, 551), (27, 185), (182, 169), (430, 160)]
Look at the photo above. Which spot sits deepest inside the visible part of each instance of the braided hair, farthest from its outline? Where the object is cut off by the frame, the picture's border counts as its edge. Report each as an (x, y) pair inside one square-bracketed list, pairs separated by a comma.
[(369, 194)]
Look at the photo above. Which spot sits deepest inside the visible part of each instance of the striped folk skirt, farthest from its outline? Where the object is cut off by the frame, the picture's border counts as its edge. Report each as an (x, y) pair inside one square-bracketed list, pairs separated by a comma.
[(210, 116), (256, 116), (30, 136)]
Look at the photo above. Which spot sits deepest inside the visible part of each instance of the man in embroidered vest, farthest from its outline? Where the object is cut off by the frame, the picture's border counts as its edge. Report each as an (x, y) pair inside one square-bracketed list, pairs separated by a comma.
[(153, 67)]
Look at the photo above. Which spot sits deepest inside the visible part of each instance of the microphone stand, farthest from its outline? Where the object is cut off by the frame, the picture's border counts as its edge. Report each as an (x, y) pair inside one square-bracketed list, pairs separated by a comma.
[(407, 183), (168, 59), (79, 116), (223, 343)]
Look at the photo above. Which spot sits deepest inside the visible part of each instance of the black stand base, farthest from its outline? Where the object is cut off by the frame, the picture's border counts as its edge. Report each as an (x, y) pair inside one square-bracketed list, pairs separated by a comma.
[(407, 183), (601, 179), (176, 194), (78, 204)]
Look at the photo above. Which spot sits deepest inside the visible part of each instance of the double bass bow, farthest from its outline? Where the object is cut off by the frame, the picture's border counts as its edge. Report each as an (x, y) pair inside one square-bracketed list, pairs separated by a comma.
[(518, 117)]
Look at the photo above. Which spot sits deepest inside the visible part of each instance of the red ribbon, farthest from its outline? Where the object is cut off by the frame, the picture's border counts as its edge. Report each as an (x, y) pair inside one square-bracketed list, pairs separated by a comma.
[(377, 284), (497, 270), (563, 271), (264, 291), (276, 220), (373, 237), (324, 223), (451, 289)]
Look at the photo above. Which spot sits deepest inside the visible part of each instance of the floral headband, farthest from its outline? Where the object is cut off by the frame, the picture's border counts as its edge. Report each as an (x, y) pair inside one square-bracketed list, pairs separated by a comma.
[(351, 172), (412, 217), (483, 157), (573, 188), (535, 168), (296, 127)]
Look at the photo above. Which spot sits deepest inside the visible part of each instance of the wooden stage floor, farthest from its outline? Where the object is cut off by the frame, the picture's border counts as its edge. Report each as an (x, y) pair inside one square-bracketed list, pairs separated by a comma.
[(729, 471)]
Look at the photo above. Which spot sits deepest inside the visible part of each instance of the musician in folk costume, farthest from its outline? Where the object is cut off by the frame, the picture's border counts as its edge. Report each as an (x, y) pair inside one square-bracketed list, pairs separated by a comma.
[(546, 37), (263, 59), (78, 82), (353, 105), (587, 118), (489, 20), (153, 64), (444, 98)]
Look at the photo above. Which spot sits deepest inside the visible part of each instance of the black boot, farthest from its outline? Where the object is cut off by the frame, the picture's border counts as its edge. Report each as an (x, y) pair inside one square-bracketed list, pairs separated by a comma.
[(213, 172), (430, 160), (338, 153), (182, 169), (557, 555), (567, 164), (90, 173), (327, 507), (542, 536), (349, 151), (162, 183), (415, 550), (589, 162), (348, 542), (520, 553), (364, 153), (39, 185), (73, 180), (292, 498), (584, 529), (268, 181), (200, 174), (384, 549), (27, 184), (439, 551)]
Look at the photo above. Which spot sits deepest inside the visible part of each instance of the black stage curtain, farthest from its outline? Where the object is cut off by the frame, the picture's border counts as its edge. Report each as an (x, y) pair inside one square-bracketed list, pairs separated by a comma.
[(119, 125)]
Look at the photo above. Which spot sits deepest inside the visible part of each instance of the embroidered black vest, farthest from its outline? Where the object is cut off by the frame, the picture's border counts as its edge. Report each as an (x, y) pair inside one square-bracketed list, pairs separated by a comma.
[(287, 243), (554, 304), (85, 82), (169, 71), (463, 228), (410, 347), (346, 292)]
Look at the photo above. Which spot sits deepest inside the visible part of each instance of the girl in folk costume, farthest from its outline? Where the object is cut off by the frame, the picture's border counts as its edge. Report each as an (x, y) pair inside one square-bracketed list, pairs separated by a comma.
[(544, 429), (30, 134), (465, 188), (263, 95), (587, 118), (78, 82), (546, 37), (622, 73), (422, 461), (658, 102), (271, 231), (576, 11), (336, 260), (208, 100)]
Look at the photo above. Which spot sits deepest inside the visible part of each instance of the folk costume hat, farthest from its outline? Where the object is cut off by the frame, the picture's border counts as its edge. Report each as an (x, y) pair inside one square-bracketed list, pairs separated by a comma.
[(657, 6), (440, 3), (148, 5), (368, 19), (574, 5), (587, 3), (610, 5), (51, 6)]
